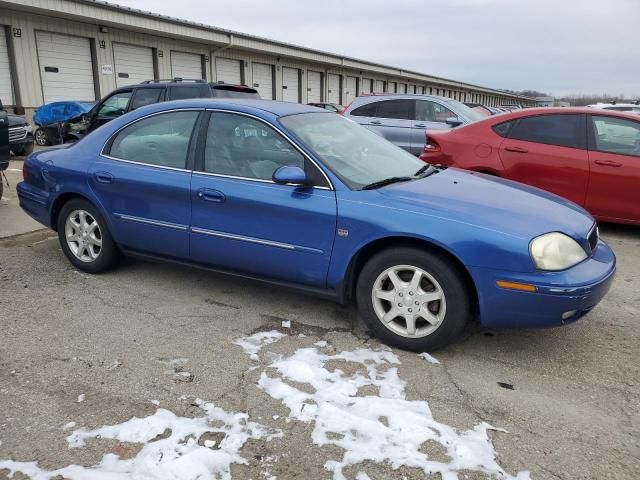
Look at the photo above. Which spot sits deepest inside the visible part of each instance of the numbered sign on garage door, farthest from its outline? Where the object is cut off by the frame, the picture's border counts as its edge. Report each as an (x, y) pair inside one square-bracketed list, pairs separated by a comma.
[(314, 86), (6, 89), (379, 88), (290, 84), (262, 80), (186, 65), (333, 88), (229, 71), (133, 64), (350, 90), (66, 69), (367, 85)]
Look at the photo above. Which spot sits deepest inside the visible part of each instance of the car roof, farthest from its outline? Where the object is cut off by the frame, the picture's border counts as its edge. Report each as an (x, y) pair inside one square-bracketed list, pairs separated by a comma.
[(525, 112)]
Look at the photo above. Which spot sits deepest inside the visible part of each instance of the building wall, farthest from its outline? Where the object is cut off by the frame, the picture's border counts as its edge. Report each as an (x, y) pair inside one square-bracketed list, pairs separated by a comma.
[(166, 36)]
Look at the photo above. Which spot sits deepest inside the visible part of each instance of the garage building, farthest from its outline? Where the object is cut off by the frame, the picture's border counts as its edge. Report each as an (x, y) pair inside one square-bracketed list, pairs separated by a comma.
[(83, 49)]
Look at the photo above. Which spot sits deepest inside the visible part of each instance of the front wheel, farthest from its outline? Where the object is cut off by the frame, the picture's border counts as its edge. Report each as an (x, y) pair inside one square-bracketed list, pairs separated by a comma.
[(85, 238), (413, 299), (41, 137)]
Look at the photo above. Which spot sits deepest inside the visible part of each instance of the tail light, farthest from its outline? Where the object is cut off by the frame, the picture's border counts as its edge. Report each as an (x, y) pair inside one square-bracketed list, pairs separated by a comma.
[(432, 146)]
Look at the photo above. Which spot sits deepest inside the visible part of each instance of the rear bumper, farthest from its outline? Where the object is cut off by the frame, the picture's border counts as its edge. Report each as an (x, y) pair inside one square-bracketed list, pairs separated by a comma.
[(35, 202), (560, 297)]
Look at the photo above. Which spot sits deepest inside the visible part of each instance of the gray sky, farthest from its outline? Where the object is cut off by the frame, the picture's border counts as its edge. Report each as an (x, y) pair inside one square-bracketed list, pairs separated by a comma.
[(557, 46)]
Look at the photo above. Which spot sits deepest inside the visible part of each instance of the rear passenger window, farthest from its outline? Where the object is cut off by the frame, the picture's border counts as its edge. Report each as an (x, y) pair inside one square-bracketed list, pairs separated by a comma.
[(145, 96), (398, 109), (366, 110), (161, 140), (561, 130), (503, 128), (180, 93)]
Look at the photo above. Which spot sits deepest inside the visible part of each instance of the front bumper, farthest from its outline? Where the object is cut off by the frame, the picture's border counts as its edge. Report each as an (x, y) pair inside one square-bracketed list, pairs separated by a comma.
[(561, 297)]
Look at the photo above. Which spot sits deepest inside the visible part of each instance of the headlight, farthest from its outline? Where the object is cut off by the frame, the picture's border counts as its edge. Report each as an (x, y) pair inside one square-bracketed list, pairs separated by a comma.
[(555, 251), (28, 128)]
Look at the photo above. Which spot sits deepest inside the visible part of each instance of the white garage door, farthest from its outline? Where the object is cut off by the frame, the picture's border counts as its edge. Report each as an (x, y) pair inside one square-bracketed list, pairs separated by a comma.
[(367, 85), (132, 64), (392, 87), (402, 88), (379, 88), (6, 89), (229, 71), (186, 65), (263, 80), (333, 90), (314, 86), (351, 90), (66, 69), (290, 85)]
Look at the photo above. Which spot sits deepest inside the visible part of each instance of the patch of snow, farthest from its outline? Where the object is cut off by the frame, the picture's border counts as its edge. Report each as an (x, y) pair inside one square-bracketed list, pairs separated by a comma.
[(428, 358), (286, 324), (321, 343), (383, 427), (178, 457), (253, 343), (209, 443), (116, 364), (68, 426), (81, 397), (155, 402)]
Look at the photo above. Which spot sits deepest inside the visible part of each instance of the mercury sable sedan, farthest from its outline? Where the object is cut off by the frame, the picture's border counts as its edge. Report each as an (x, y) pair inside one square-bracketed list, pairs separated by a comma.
[(302, 197)]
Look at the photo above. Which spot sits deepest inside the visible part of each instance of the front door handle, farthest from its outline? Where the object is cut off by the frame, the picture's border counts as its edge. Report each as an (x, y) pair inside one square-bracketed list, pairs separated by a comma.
[(420, 125), (103, 177), (376, 122), (516, 149), (210, 195), (608, 163)]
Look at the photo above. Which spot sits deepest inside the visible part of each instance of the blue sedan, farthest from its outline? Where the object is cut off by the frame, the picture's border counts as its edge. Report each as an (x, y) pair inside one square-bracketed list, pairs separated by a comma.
[(297, 196)]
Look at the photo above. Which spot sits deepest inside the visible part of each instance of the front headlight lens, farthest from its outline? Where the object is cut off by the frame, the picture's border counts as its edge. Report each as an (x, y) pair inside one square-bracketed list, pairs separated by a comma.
[(28, 128), (555, 251)]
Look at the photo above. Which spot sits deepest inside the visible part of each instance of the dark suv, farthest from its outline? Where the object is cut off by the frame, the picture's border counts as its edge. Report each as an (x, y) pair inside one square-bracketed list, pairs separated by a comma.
[(127, 99)]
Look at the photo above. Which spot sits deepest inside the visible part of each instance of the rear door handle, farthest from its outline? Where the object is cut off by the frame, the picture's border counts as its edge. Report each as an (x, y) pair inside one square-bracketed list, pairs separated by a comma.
[(210, 195), (516, 149), (608, 163), (376, 122), (103, 177), (420, 125)]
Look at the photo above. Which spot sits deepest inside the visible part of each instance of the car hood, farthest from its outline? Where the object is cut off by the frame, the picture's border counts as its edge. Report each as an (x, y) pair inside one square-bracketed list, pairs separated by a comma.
[(491, 203), (16, 120)]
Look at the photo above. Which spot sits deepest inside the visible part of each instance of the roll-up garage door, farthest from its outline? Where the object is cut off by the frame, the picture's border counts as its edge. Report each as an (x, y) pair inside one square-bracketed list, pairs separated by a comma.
[(186, 65), (379, 88), (66, 68), (351, 89), (392, 87), (314, 86), (6, 88), (263, 79), (333, 90), (290, 84), (367, 85), (229, 71), (402, 88), (132, 64)]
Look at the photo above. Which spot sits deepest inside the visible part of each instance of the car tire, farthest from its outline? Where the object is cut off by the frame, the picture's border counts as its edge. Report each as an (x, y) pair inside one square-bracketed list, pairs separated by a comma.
[(41, 137), (400, 284), (85, 238)]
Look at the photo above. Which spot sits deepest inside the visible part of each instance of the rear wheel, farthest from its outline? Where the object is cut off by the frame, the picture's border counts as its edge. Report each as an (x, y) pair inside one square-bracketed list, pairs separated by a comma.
[(413, 299), (85, 238), (41, 137)]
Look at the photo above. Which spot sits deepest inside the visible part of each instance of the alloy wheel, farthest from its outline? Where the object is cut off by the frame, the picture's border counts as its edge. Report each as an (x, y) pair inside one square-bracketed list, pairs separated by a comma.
[(41, 137), (408, 301), (83, 236)]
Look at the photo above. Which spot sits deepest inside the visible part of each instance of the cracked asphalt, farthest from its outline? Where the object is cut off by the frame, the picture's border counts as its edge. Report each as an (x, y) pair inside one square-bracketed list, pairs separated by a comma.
[(572, 411)]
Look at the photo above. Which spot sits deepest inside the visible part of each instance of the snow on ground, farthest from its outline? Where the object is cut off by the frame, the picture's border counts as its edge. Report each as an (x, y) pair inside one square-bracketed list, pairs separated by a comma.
[(255, 342), (428, 358), (382, 428), (178, 456)]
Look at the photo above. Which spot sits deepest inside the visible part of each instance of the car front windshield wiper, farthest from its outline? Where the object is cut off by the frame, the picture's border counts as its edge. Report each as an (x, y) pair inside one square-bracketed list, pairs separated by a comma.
[(426, 170), (387, 181)]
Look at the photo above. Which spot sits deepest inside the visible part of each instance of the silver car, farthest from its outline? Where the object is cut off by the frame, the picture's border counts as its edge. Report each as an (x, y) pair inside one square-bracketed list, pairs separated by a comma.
[(403, 119)]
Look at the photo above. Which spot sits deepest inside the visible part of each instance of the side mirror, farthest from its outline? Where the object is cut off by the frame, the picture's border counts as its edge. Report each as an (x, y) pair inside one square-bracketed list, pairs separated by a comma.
[(453, 121), (290, 175)]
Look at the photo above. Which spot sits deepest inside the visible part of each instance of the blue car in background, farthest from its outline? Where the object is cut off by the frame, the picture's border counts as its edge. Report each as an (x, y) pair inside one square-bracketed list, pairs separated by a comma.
[(55, 121), (298, 196)]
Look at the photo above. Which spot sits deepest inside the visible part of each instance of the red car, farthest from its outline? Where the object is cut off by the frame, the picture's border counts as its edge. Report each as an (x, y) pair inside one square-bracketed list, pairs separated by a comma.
[(589, 156)]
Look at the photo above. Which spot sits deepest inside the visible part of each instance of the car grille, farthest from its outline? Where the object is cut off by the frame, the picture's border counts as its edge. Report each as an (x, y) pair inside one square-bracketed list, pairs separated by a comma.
[(593, 237), (17, 133)]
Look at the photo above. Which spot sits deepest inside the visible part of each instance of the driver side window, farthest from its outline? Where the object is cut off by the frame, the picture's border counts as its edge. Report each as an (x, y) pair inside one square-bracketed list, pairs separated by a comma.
[(115, 105), (161, 140), (241, 146), (427, 111)]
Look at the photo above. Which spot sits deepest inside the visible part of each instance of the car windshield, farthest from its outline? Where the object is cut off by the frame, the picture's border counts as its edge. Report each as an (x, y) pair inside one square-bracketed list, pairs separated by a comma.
[(461, 108), (356, 155), (87, 105)]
